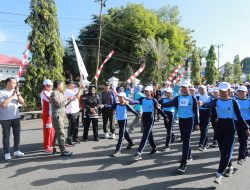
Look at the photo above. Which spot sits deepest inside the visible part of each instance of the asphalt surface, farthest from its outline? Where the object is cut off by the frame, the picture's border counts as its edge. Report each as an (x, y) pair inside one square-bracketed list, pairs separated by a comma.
[(92, 168)]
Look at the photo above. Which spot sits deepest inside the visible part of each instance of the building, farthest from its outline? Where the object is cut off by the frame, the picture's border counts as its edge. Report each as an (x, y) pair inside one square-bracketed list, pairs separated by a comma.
[(9, 67)]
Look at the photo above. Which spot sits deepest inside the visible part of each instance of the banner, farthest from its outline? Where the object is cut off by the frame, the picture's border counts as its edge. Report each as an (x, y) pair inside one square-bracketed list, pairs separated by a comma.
[(169, 81), (24, 62), (81, 66), (130, 80), (98, 72)]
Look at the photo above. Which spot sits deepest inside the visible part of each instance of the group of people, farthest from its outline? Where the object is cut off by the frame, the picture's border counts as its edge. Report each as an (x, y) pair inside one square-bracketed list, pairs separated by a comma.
[(226, 108)]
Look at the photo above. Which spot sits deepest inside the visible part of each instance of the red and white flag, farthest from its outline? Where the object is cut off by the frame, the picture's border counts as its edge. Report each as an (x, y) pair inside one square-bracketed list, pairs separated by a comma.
[(24, 62), (169, 81), (130, 80), (179, 78), (101, 67)]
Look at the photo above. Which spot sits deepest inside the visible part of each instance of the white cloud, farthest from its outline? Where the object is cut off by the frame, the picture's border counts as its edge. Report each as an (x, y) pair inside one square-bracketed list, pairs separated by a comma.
[(3, 37)]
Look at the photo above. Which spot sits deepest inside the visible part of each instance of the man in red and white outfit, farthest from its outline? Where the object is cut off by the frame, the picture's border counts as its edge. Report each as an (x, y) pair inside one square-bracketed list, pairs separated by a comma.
[(48, 130)]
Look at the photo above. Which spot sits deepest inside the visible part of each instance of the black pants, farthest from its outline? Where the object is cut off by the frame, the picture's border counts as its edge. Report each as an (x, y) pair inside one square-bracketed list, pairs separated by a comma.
[(243, 140), (148, 122), (204, 120), (107, 115), (122, 133), (186, 127), (16, 128), (86, 125), (169, 126), (72, 133), (214, 122), (225, 134)]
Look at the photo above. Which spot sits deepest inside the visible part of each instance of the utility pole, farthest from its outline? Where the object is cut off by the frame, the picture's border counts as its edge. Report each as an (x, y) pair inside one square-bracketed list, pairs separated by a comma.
[(219, 46), (102, 4)]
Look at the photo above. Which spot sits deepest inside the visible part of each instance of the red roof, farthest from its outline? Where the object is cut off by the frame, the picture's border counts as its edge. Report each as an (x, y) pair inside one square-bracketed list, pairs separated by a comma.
[(10, 61)]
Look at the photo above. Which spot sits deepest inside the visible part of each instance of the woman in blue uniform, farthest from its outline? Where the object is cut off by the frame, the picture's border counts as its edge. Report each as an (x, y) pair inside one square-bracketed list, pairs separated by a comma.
[(121, 116), (186, 105), (167, 93), (227, 111), (149, 104), (244, 104)]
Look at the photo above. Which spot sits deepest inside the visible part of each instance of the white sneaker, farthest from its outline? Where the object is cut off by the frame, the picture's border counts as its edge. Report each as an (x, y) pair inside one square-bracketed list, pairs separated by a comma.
[(106, 135), (18, 153), (7, 156), (113, 136), (218, 179)]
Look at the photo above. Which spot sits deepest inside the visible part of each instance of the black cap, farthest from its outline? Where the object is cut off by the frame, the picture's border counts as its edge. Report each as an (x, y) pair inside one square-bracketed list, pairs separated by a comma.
[(69, 81)]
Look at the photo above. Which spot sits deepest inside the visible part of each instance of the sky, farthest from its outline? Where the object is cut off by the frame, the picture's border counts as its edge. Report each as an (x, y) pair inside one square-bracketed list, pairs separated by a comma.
[(215, 22)]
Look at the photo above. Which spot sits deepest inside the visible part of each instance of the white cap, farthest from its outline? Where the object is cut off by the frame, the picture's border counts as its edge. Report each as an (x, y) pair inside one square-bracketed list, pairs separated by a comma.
[(167, 90), (121, 94), (224, 86), (247, 83), (185, 84), (203, 86), (242, 88), (210, 90), (215, 89), (47, 82), (231, 89), (149, 88)]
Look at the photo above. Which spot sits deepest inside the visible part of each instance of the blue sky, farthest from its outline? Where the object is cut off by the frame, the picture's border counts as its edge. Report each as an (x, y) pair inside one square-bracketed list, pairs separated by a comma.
[(214, 21)]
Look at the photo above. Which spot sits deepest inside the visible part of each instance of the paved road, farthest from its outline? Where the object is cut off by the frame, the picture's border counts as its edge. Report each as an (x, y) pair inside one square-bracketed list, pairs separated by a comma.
[(92, 168)]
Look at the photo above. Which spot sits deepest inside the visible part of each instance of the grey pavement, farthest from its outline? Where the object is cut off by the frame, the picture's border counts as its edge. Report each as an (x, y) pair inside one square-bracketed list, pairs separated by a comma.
[(92, 168)]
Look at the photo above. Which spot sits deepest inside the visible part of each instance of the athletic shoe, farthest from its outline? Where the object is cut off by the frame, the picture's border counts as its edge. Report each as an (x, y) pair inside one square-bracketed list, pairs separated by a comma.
[(66, 153), (96, 139), (190, 159), (18, 153), (200, 148), (137, 157), (154, 151), (165, 149), (182, 168), (229, 172), (55, 151), (241, 162), (116, 154), (130, 145), (49, 150), (70, 144), (7, 156), (85, 139), (106, 135), (112, 136), (218, 179), (214, 145), (77, 141)]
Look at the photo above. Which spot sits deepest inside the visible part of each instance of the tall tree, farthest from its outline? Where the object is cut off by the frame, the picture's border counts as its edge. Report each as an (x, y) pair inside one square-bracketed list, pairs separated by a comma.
[(46, 48), (211, 73), (228, 74), (196, 67), (237, 70)]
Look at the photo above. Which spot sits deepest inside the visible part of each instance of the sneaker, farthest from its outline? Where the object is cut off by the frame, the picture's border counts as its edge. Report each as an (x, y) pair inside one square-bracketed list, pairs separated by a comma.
[(241, 162), (229, 172), (55, 151), (7, 156), (18, 153), (116, 154), (72, 144), (85, 139), (154, 151), (182, 168), (106, 135), (66, 153), (96, 139), (77, 141), (165, 149), (112, 136), (49, 150), (218, 179), (190, 159), (137, 157), (130, 145), (214, 145), (200, 148)]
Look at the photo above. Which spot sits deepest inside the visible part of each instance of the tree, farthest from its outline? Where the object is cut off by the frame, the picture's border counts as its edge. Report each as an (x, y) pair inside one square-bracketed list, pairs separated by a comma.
[(196, 67), (237, 70), (211, 73), (46, 49), (228, 74), (245, 64), (124, 30)]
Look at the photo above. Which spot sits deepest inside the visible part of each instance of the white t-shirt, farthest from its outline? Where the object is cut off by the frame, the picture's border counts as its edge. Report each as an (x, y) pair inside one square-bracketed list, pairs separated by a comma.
[(73, 107), (11, 111)]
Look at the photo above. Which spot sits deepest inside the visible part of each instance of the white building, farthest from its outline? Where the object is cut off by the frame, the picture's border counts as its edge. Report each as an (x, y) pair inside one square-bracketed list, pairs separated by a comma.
[(9, 67)]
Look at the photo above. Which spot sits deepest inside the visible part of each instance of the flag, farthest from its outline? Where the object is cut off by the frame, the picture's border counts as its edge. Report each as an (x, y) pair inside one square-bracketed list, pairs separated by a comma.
[(81, 66), (24, 62), (179, 78), (169, 81), (136, 74), (98, 72)]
